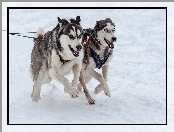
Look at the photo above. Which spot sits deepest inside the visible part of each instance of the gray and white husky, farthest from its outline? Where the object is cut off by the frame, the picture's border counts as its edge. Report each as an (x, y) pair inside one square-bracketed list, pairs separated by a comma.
[(98, 46), (55, 54)]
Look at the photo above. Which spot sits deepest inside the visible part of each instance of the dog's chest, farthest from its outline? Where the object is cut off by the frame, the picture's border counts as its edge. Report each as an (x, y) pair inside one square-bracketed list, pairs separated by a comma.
[(96, 62), (101, 53)]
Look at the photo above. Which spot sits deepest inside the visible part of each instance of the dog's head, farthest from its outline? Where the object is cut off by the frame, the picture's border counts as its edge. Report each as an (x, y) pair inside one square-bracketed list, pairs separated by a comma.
[(70, 36), (105, 32)]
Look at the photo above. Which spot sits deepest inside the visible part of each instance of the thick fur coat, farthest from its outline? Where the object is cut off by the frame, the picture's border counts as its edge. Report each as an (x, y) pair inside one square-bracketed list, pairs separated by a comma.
[(98, 52), (55, 54)]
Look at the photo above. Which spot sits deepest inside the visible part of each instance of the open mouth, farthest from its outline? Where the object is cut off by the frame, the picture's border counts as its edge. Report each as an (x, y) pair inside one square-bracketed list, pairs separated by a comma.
[(110, 44), (75, 53)]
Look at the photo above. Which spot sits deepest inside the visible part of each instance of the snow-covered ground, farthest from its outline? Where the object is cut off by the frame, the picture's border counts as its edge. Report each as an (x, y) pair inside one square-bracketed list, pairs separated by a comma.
[(137, 73)]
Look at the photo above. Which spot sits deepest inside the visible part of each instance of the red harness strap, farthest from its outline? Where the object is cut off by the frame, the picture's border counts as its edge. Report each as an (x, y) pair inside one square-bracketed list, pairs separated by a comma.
[(87, 42), (43, 37)]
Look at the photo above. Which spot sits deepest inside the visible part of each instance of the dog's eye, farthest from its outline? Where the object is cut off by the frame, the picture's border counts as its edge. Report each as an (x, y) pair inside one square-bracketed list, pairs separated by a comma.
[(71, 36), (113, 30), (106, 30)]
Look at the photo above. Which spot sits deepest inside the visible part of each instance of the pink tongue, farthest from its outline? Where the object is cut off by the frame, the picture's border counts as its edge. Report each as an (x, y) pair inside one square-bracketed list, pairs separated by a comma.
[(76, 53), (111, 45)]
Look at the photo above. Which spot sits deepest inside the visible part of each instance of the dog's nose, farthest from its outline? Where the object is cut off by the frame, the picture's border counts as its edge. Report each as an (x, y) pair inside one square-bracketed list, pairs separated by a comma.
[(114, 39), (79, 47)]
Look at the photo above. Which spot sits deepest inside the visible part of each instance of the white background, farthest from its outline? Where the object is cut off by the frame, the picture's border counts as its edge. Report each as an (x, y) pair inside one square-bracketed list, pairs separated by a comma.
[(97, 97)]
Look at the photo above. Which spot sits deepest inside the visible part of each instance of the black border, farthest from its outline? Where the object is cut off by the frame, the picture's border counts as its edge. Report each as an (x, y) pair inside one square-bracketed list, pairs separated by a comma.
[(86, 8), (166, 65), (76, 8), (7, 66)]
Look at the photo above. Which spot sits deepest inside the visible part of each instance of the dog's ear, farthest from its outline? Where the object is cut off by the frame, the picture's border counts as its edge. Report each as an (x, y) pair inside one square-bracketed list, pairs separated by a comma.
[(98, 24), (108, 19), (78, 20), (73, 21), (97, 27), (59, 20), (62, 22)]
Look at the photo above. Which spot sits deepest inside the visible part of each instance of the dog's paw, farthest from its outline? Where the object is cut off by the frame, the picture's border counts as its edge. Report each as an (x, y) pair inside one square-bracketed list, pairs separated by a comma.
[(73, 93), (108, 93), (91, 100), (98, 89), (35, 97)]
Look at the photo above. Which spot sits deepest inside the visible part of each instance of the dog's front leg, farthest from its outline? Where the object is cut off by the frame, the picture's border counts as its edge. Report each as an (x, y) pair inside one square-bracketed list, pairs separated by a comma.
[(99, 88), (76, 70), (100, 78), (53, 72), (82, 81), (105, 71)]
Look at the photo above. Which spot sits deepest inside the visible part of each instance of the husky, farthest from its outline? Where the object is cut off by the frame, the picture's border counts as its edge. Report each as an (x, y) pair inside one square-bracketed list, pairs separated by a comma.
[(55, 54), (98, 46)]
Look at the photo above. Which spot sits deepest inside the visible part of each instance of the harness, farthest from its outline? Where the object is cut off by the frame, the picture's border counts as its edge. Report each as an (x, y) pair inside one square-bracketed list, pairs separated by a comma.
[(41, 38), (99, 63), (62, 60)]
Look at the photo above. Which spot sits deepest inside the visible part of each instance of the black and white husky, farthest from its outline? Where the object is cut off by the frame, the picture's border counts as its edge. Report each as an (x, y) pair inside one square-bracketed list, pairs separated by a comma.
[(55, 54), (98, 46)]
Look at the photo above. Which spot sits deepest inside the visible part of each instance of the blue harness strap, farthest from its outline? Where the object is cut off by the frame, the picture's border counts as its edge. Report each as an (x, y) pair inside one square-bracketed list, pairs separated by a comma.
[(97, 60), (99, 63)]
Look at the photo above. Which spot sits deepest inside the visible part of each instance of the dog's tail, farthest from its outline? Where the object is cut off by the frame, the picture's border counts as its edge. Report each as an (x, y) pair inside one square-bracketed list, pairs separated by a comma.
[(40, 32), (37, 54)]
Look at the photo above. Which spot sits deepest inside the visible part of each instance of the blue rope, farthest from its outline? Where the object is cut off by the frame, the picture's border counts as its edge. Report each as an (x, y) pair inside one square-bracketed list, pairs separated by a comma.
[(20, 34)]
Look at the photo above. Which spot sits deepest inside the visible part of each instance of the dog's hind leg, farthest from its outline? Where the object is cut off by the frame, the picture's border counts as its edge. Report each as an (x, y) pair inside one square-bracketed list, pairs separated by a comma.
[(35, 95), (43, 78), (87, 79)]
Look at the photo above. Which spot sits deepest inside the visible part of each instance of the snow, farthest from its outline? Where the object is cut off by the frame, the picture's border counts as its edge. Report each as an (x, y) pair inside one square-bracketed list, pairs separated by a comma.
[(136, 78)]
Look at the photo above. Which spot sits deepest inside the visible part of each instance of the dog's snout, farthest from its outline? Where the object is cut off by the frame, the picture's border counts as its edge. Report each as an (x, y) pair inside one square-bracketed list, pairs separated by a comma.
[(79, 47), (114, 39)]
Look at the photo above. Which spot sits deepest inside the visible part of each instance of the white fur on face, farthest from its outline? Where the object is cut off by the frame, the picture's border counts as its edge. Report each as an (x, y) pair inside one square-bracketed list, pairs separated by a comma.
[(72, 32), (78, 32), (65, 41), (107, 33), (66, 54), (73, 42), (73, 29)]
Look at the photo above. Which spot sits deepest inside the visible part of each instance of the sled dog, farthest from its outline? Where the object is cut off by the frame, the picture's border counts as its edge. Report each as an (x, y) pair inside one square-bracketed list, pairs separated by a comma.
[(55, 54), (98, 44)]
